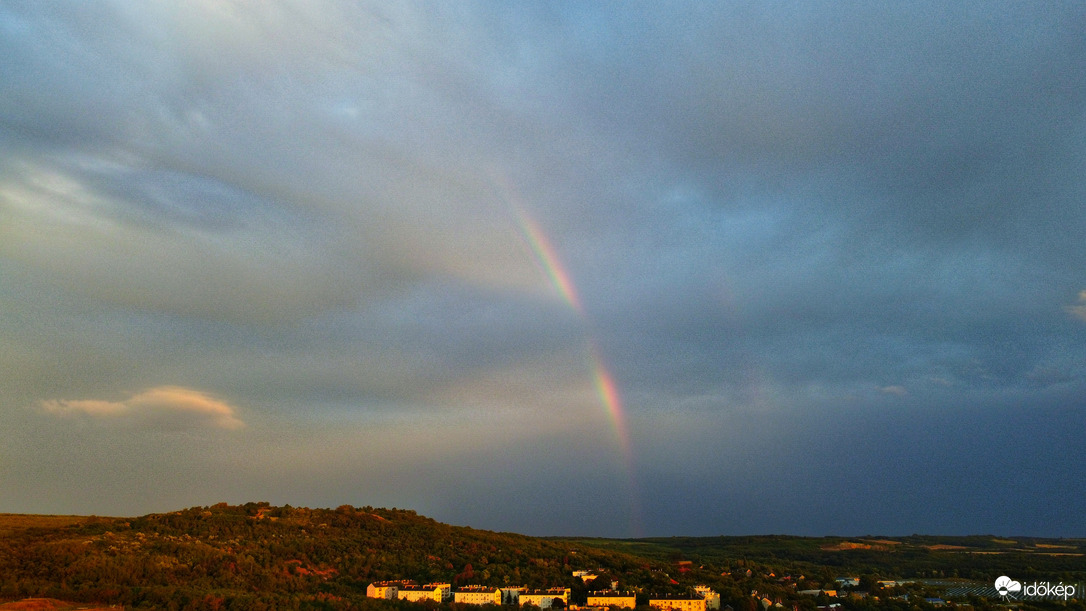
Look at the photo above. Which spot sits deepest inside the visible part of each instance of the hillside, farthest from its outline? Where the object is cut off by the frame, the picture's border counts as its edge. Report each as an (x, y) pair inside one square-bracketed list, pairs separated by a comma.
[(256, 556)]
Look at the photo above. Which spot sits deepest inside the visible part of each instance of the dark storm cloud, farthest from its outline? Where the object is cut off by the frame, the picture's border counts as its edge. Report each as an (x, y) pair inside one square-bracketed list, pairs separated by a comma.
[(903, 181), (789, 229)]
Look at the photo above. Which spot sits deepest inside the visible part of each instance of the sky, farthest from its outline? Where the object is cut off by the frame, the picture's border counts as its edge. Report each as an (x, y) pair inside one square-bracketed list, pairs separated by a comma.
[(607, 268)]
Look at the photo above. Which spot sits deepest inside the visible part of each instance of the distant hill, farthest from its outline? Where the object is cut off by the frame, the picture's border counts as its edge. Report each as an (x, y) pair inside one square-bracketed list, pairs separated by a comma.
[(981, 558), (256, 556)]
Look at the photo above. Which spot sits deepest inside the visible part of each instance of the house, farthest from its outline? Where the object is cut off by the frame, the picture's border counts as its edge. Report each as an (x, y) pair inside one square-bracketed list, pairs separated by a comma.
[(608, 598), (848, 581), (544, 599), (678, 603), (478, 595), (586, 576)]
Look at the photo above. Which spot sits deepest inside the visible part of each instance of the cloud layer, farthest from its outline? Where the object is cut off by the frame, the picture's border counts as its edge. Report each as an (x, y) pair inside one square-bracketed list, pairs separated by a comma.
[(804, 239)]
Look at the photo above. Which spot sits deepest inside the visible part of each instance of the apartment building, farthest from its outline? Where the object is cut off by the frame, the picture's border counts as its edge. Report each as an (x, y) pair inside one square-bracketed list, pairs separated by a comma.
[(383, 589), (712, 599), (415, 593), (678, 603), (478, 595), (622, 600), (544, 599)]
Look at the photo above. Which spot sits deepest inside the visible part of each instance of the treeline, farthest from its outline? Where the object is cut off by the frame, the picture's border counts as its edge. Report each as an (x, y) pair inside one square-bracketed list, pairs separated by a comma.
[(980, 558)]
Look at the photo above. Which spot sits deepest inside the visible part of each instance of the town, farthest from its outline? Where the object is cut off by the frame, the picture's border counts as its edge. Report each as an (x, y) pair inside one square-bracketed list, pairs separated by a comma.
[(702, 598)]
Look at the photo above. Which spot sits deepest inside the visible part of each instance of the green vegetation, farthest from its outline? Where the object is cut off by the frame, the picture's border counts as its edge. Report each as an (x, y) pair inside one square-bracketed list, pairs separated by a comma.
[(256, 556)]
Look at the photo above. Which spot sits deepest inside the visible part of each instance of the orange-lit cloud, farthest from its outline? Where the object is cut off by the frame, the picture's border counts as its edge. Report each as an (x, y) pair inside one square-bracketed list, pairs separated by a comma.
[(172, 407)]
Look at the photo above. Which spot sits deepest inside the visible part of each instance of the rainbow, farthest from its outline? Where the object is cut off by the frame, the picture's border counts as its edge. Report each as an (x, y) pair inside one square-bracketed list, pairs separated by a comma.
[(608, 392), (546, 255)]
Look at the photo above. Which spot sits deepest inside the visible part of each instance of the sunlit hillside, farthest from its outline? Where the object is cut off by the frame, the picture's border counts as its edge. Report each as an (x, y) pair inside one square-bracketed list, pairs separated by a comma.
[(257, 555)]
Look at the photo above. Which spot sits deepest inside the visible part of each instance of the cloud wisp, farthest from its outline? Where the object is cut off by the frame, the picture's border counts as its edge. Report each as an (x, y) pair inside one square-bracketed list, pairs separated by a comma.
[(167, 407)]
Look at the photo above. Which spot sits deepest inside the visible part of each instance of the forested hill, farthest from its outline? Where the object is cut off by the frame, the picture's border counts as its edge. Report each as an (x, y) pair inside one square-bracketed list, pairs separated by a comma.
[(256, 556), (275, 556)]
